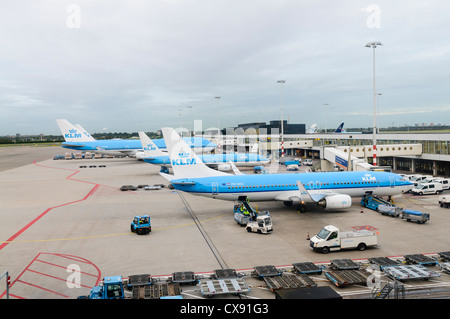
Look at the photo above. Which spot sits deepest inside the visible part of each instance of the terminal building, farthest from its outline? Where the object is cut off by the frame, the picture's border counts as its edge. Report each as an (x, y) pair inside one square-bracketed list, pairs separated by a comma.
[(424, 153), (273, 126)]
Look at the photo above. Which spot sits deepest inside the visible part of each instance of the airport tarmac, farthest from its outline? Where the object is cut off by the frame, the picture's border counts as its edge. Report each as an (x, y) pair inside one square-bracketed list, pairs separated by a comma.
[(56, 217)]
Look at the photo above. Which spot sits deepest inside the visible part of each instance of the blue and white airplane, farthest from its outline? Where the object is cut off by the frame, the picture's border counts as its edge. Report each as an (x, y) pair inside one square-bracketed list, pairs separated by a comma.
[(221, 162), (77, 138), (331, 190)]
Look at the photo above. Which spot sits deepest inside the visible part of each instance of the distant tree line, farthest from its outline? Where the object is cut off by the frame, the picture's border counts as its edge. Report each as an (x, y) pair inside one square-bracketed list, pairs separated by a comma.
[(34, 139)]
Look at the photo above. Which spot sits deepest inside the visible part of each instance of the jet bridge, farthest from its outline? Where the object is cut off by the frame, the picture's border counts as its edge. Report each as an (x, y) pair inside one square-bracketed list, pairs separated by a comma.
[(334, 156), (353, 158)]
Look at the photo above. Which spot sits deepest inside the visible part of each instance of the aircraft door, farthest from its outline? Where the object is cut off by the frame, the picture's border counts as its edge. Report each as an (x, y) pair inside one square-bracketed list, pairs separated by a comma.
[(392, 181), (215, 188)]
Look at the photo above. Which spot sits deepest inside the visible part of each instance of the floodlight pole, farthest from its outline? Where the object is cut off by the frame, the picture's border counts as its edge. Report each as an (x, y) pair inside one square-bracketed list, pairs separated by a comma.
[(218, 119), (282, 126), (373, 45)]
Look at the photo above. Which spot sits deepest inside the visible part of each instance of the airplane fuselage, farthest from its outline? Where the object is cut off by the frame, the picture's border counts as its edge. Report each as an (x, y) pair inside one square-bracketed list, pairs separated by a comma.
[(283, 187), (239, 159), (129, 145)]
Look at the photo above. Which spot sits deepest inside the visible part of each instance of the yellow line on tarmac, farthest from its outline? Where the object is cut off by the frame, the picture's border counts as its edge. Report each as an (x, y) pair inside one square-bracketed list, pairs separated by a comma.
[(102, 236)]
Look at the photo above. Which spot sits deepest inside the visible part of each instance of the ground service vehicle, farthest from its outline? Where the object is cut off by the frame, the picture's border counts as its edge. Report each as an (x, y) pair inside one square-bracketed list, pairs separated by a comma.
[(330, 238), (260, 170), (427, 188), (380, 205), (444, 201), (245, 215), (112, 288), (243, 212), (414, 215), (308, 162), (141, 225), (262, 224), (444, 181), (128, 188), (134, 287)]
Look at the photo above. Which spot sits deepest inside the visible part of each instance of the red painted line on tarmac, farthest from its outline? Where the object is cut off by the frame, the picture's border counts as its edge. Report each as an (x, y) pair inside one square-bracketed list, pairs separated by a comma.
[(27, 268), (55, 265), (21, 231), (48, 290), (54, 277)]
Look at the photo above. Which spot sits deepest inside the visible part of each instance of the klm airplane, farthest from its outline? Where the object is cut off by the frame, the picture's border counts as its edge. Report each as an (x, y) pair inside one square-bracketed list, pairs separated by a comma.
[(153, 155), (331, 190), (76, 138)]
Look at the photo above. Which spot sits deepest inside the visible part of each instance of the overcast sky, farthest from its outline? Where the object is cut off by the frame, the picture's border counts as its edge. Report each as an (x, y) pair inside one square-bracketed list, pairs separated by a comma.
[(137, 65)]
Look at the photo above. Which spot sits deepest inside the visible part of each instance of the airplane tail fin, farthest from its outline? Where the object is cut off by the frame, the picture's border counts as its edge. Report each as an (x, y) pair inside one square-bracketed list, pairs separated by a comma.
[(185, 163), (340, 129), (84, 132), (312, 129), (71, 133), (150, 149)]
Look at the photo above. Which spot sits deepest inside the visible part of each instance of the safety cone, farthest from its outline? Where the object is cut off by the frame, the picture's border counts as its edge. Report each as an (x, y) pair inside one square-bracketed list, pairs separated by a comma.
[(362, 211), (307, 237)]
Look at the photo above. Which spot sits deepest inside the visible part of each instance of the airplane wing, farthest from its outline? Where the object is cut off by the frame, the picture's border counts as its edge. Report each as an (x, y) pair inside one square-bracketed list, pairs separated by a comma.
[(235, 169), (305, 195), (185, 183), (73, 145), (289, 197)]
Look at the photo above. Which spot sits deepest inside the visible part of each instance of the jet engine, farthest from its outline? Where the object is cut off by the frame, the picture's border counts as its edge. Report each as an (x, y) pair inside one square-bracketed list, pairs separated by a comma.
[(224, 167), (335, 202)]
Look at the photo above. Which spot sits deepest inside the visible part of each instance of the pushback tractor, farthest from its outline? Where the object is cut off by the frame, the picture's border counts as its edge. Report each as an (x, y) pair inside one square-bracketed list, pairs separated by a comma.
[(141, 225)]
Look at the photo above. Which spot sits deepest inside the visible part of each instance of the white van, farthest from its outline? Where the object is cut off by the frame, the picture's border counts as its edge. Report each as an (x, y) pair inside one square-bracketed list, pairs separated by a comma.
[(308, 162), (444, 181), (418, 179), (427, 188)]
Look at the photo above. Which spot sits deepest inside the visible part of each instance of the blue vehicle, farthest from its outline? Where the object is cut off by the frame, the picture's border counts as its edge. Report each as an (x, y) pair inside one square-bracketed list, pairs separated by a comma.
[(374, 202), (415, 215), (243, 212), (141, 225), (380, 205), (112, 288)]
